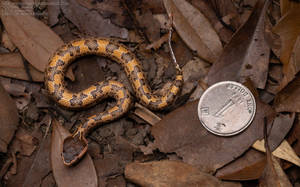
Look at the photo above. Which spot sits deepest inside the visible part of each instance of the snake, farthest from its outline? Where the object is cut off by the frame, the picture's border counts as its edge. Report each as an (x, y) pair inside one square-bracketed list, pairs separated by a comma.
[(75, 146)]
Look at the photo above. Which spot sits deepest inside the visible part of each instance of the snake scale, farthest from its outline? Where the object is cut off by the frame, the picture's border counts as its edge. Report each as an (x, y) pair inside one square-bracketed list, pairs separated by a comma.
[(74, 147)]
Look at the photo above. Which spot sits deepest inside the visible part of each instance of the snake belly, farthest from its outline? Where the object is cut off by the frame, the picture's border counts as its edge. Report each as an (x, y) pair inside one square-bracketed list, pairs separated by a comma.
[(65, 55)]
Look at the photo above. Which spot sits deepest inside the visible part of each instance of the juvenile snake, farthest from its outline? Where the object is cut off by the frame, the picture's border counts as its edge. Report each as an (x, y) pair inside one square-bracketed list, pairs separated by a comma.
[(75, 147)]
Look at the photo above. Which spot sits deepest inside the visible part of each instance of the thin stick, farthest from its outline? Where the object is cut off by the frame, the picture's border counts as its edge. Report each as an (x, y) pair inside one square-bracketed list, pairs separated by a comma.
[(170, 39)]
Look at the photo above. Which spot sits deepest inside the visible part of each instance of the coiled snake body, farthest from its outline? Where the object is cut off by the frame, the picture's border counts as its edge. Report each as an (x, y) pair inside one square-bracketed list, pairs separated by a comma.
[(75, 147)]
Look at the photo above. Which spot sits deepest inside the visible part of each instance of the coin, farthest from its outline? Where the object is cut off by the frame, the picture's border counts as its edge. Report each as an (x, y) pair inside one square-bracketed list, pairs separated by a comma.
[(226, 108)]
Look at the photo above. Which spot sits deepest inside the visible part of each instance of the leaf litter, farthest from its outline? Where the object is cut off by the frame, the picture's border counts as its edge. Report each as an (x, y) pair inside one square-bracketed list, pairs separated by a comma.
[(115, 149)]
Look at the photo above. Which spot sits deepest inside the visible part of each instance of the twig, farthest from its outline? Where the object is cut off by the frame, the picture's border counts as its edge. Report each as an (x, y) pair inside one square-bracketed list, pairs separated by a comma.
[(169, 42)]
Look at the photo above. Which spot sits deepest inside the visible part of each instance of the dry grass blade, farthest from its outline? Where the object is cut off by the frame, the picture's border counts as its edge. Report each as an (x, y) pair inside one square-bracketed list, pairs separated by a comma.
[(194, 29)]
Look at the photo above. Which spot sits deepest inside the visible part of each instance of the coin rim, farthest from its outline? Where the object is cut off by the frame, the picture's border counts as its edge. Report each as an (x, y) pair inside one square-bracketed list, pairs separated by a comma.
[(235, 132)]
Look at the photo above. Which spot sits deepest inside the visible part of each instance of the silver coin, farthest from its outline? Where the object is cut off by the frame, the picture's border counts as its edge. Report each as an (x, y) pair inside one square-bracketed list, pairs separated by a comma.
[(226, 108)]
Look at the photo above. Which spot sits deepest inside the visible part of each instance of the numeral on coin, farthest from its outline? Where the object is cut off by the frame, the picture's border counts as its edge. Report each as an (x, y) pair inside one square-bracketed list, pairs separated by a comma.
[(225, 107), (204, 111), (219, 126)]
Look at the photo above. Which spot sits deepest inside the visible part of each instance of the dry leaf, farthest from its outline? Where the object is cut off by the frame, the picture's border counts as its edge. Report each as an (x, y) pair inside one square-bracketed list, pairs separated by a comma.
[(194, 29), (157, 44), (288, 100), (14, 89), (284, 151), (114, 163), (90, 21), (247, 54), (208, 11), (36, 41), (53, 12), (83, 174), (294, 136), (170, 173), (273, 174), (9, 118), (149, 23), (24, 143), (12, 65), (286, 5), (114, 10), (6, 42), (146, 114), (191, 141), (251, 165), (288, 29), (281, 126), (41, 165)]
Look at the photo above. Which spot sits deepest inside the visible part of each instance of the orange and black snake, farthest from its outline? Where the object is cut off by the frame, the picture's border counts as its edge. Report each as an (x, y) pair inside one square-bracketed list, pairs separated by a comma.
[(55, 84)]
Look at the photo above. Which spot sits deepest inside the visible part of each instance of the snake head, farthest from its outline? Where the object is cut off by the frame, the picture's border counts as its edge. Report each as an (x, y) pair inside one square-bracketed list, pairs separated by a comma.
[(74, 148)]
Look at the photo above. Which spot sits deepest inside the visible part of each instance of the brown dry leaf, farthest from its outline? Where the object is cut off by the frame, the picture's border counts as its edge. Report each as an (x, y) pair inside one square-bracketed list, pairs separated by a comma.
[(12, 65), (288, 29), (53, 12), (248, 167), (14, 89), (273, 174), (196, 145), (251, 165), (7, 42), (224, 33), (247, 54), (83, 174), (194, 29), (24, 143), (156, 6), (294, 136), (146, 114), (20, 167), (40, 167), (91, 22), (288, 100), (284, 151), (111, 9), (9, 118), (286, 5), (229, 13), (157, 44), (113, 164), (149, 23), (170, 173), (36, 41)]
